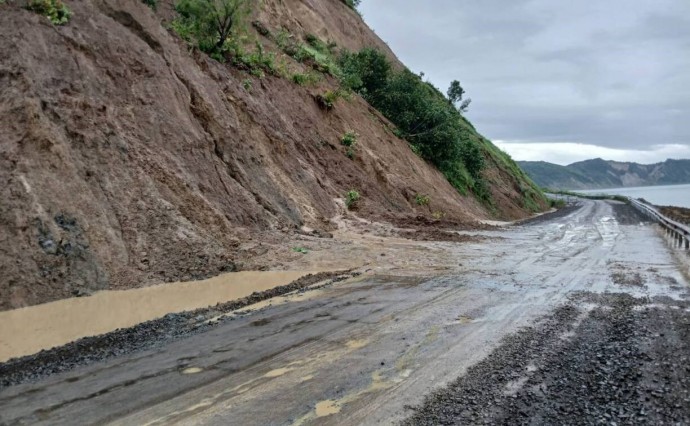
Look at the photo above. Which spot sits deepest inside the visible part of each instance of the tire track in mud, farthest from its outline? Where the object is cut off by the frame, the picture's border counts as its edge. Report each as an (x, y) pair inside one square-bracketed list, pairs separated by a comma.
[(308, 357)]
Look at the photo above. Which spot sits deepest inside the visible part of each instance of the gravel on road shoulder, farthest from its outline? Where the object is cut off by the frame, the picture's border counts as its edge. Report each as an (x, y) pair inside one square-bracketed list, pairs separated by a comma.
[(623, 360)]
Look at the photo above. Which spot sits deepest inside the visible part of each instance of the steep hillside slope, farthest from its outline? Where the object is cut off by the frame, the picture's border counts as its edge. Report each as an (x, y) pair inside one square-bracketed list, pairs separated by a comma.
[(598, 173), (130, 159)]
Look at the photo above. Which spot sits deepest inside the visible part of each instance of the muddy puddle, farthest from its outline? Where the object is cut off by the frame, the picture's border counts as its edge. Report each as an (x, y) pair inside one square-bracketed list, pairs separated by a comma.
[(28, 330)]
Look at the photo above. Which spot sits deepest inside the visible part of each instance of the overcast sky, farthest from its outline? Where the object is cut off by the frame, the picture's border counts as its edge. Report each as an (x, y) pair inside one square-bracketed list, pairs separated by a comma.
[(554, 80)]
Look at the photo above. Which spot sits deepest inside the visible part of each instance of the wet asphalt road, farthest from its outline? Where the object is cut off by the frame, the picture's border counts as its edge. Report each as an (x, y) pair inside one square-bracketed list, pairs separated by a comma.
[(372, 349)]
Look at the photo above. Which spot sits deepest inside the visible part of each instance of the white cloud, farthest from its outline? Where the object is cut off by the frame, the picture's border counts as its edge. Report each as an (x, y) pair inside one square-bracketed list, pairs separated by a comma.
[(565, 153)]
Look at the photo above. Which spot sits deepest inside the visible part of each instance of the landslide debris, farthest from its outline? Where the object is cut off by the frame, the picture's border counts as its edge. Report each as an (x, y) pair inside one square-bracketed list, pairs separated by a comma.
[(131, 158), (679, 214)]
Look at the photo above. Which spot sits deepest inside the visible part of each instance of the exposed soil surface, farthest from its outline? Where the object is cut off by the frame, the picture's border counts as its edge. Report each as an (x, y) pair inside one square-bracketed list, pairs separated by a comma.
[(421, 222), (679, 214), (143, 336), (439, 235), (622, 360), (129, 159)]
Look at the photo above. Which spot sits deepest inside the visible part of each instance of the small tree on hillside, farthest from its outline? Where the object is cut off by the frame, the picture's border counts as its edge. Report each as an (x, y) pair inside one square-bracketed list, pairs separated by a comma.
[(365, 72), (352, 3), (210, 22), (455, 94)]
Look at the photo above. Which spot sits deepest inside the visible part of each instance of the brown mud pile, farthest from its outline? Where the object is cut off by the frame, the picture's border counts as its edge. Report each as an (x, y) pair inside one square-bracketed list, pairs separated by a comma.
[(128, 160)]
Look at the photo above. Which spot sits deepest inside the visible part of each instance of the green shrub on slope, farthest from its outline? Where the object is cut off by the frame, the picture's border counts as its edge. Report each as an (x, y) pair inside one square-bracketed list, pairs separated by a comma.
[(54, 10)]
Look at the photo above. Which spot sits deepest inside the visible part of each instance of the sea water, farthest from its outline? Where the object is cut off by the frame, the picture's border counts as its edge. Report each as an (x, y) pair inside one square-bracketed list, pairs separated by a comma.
[(670, 195)]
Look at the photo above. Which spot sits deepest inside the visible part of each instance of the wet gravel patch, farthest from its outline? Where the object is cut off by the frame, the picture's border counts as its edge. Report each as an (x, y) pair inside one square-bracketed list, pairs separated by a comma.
[(630, 279), (562, 212), (626, 214), (144, 336), (604, 359)]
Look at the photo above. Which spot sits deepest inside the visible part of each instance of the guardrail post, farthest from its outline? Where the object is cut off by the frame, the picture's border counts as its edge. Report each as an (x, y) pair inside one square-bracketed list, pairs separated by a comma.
[(679, 233)]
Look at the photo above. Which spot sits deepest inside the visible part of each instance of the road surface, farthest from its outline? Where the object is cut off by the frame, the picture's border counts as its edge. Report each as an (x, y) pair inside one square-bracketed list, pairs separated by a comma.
[(372, 350)]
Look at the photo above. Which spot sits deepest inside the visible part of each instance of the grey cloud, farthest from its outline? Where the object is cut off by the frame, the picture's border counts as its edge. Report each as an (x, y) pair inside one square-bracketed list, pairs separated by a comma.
[(611, 73)]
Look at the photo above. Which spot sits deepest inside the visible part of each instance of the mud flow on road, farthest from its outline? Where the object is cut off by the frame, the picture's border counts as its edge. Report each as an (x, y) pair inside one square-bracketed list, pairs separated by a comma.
[(578, 317)]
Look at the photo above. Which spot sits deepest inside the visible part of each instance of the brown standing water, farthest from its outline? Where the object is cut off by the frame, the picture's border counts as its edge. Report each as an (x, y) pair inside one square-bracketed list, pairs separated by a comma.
[(28, 330)]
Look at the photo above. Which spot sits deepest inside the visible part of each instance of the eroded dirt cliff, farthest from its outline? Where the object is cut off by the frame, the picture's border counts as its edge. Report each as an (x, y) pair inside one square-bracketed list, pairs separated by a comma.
[(128, 159)]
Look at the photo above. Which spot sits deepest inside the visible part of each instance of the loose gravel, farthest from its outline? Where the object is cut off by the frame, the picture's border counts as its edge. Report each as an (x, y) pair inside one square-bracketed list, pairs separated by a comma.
[(562, 212), (602, 359)]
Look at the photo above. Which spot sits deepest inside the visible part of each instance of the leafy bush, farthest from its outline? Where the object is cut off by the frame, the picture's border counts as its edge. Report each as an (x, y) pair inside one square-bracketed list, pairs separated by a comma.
[(257, 62), (54, 10), (315, 54), (209, 23), (365, 72), (328, 99), (151, 3), (304, 79), (556, 203), (284, 39), (352, 199), (299, 79), (422, 200), (472, 157), (316, 43), (349, 139)]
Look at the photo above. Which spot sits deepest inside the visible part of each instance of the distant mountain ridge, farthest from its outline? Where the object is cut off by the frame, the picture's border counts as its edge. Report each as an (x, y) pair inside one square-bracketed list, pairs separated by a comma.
[(599, 173)]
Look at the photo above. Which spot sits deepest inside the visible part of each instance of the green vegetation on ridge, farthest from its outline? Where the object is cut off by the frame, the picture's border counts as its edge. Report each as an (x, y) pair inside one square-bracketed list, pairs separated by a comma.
[(433, 124)]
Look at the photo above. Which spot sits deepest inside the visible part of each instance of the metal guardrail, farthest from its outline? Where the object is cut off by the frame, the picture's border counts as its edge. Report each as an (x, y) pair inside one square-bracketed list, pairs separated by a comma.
[(677, 230)]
